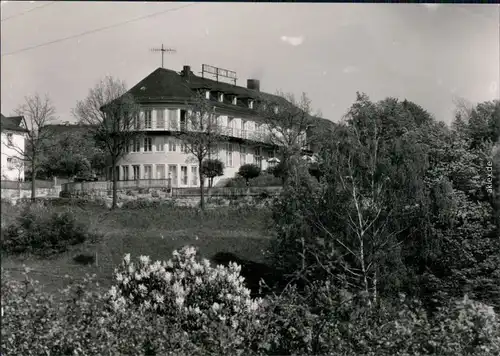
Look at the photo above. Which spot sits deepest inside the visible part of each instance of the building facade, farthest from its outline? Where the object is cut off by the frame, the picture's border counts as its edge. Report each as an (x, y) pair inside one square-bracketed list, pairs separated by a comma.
[(13, 138), (163, 97)]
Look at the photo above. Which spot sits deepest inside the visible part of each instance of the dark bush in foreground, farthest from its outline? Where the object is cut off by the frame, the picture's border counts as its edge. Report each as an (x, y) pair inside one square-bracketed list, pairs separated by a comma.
[(263, 180), (253, 272), (84, 259), (39, 231)]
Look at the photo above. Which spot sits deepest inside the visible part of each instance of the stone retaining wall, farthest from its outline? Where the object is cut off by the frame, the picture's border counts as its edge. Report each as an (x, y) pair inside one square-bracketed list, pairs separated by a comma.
[(14, 194)]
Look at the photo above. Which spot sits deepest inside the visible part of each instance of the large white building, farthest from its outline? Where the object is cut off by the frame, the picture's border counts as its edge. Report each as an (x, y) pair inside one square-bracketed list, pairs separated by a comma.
[(162, 96), (13, 146)]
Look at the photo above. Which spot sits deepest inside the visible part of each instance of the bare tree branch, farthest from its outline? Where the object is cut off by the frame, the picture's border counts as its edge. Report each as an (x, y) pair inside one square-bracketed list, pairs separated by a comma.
[(113, 117)]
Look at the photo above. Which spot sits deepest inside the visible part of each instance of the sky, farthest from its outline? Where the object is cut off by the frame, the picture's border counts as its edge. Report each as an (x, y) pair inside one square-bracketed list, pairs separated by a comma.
[(429, 54)]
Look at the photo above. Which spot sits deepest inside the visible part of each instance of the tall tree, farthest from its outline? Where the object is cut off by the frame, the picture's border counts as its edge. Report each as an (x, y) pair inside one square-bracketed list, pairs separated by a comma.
[(285, 121), (201, 135), (74, 153), (113, 116), (36, 113)]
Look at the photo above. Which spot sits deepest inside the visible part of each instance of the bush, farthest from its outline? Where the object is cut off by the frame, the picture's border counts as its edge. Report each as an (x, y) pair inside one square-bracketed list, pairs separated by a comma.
[(41, 232), (64, 194), (84, 259), (263, 180), (249, 171), (189, 293), (81, 322), (85, 320), (147, 204), (212, 168)]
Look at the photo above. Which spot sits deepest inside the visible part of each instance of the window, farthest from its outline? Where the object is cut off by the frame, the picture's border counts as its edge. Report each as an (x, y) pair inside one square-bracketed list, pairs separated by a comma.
[(148, 119), (207, 94), (250, 104), (258, 157), (136, 146), (184, 175), (135, 172), (160, 119), (148, 171), (243, 155), (160, 142), (221, 97), (194, 175), (184, 123), (10, 163), (244, 128), (10, 138), (235, 100), (160, 171), (229, 155), (172, 174), (125, 173), (184, 148), (148, 144), (172, 119), (136, 122), (172, 145)]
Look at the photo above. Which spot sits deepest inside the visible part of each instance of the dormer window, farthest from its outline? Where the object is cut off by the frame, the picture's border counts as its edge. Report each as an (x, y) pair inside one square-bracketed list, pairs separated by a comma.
[(221, 97), (250, 104)]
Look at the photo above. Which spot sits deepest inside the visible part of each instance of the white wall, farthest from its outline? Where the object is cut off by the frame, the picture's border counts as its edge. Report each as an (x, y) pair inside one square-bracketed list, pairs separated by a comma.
[(12, 171), (164, 157)]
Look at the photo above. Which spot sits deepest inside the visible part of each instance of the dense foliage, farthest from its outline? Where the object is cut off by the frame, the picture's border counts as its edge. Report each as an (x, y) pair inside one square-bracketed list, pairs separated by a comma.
[(41, 232), (249, 171), (73, 153), (186, 306), (403, 206), (212, 168)]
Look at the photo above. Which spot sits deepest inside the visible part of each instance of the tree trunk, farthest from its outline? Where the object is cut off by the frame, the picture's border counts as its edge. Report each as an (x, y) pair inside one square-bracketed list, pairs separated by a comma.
[(115, 180), (33, 185), (202, 194)]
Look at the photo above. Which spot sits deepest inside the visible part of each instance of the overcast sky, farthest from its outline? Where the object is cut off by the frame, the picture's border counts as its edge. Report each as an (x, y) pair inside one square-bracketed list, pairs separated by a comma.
[(427, 54)]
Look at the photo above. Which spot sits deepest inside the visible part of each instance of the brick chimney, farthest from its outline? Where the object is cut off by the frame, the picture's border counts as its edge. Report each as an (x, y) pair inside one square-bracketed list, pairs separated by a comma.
[(186, 71), (253, 84)]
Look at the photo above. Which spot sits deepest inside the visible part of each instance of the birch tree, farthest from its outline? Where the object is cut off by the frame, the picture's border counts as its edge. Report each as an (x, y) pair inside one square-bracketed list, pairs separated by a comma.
[(114, 119)]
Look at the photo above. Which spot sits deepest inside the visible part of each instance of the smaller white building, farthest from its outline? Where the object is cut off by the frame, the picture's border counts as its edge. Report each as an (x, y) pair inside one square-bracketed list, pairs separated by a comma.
[(13, 146)]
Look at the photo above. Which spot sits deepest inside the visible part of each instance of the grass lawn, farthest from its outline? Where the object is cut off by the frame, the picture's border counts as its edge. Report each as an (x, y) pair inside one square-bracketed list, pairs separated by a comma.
[(154, 232)]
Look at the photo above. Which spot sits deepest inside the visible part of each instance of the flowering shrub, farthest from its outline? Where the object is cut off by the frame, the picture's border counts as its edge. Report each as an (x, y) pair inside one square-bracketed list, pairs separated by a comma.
[(80, 322), (191, 293)]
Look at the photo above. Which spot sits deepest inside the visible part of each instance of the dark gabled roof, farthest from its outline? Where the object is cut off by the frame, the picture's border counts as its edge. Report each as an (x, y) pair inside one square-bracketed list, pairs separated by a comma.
[(168, 86), (165, 85), (12, 123)]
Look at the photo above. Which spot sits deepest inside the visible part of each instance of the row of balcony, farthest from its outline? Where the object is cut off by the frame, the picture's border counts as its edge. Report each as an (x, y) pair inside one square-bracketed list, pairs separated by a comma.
[(259, 135)]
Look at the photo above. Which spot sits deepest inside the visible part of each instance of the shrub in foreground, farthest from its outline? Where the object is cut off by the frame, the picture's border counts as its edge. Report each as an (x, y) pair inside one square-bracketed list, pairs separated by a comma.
[(190, 293), (203, 310), (41, 231)]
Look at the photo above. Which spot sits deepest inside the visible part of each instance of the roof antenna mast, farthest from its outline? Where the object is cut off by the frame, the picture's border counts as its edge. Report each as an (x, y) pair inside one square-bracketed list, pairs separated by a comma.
[(163, 50)]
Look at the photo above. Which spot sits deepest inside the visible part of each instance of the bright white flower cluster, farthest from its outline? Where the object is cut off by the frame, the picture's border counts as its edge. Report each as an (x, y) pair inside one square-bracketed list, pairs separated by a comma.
[(188, 290)]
